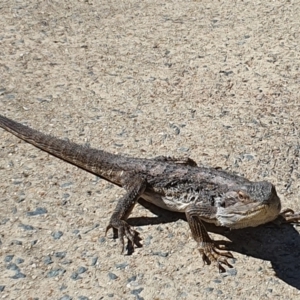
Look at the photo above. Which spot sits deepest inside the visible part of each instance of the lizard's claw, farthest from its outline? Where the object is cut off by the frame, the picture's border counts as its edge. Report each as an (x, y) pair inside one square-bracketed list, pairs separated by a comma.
[(290, 216), (210, 253), (121, 229)]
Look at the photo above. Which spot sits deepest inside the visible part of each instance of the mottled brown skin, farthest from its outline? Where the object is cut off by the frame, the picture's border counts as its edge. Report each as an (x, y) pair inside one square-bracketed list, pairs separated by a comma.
[(175, 184)]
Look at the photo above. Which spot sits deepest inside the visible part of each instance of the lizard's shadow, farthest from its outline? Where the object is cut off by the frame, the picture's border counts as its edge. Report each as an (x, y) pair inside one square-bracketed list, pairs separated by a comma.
[(278, 244)]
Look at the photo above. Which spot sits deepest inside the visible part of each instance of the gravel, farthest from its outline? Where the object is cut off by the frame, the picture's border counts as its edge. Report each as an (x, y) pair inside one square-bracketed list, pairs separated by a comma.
[(211, 80)]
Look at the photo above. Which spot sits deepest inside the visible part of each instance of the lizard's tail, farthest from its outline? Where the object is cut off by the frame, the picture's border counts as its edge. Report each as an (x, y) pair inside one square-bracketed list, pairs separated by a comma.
[(95, 161)]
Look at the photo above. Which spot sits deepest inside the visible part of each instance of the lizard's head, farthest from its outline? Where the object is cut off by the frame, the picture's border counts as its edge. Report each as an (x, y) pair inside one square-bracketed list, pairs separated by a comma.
[(262, 192), (255, 203)]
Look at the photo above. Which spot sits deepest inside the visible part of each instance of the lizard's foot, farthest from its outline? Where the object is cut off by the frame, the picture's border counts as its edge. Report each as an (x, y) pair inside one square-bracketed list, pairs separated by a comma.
[(210, 252), (289, 216), (122, 229)]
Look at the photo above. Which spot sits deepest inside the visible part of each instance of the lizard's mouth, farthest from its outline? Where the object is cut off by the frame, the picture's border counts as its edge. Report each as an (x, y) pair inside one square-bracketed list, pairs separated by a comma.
[(252, 214)]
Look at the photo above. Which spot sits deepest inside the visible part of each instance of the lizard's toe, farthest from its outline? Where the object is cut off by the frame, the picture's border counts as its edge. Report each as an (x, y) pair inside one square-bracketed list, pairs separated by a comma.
[(210, 254), (122, 229), (289, 216)]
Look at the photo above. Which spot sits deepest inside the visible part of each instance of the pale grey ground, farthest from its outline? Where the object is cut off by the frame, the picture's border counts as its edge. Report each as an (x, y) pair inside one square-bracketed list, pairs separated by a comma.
[(215, 80)]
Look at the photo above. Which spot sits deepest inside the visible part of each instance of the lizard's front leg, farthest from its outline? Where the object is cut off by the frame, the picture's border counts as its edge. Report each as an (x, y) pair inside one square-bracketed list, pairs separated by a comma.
[(135, 189), (195, 213)]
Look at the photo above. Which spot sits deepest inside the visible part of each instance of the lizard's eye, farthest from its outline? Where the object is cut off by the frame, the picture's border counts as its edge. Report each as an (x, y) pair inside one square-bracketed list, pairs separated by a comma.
[(242, 195)]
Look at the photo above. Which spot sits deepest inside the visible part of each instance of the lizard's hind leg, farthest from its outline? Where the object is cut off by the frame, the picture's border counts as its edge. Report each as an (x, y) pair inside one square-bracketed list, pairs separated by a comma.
[(289, 216)]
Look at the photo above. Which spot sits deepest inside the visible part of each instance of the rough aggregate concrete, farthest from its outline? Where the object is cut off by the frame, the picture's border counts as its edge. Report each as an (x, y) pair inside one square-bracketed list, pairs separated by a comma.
[(214, 80)]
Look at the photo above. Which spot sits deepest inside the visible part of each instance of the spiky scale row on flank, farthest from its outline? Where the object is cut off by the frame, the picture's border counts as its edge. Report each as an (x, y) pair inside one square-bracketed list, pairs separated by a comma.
[(175, 184)]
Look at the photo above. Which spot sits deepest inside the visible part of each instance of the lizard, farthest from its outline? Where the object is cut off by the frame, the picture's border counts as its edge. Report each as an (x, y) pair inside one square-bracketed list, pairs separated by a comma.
[(204, 194)]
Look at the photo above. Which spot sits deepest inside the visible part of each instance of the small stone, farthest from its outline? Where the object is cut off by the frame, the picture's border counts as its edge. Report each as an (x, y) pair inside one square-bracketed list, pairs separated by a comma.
[(81, 270), (19, 260), (48, 260), (159, 228), (26, 227), (18, 275), (137, 291), (248, 157), (66, 195), (4, 221), (8, 258), (55, 272), (160, 253), (57, 235), (21, 198), (16, 242), (66, 297), (148, 240), (102, 240), (132, 278), (75, 276), (38, 211), (95, 226), (232, 272), (41, 100), (17, 181), (2, 287), (63, 287), (175, 128), (67, 261), (183, 295), (112, 276), (66, 184), (83, 298), (122, 266), (94, 261), (61, 254), (183, 149), (12, 266)]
